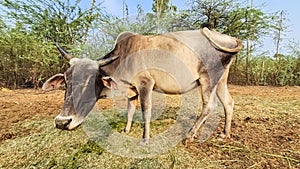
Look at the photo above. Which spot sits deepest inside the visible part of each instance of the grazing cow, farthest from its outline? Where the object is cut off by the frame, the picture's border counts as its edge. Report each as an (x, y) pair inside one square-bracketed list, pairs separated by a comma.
[(172, 63)]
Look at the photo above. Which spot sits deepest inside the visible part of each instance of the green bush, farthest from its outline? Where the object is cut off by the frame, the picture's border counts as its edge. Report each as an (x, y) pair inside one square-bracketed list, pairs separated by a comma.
[(25, 60), (268, 71)]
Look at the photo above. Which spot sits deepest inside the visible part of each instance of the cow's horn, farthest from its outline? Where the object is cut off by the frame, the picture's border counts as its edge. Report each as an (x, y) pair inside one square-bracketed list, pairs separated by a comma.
[(63, 52), (106, 61), (225, 49)]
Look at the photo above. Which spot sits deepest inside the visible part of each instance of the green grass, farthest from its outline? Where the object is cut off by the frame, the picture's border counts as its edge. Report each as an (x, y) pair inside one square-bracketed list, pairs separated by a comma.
[(52, 148)]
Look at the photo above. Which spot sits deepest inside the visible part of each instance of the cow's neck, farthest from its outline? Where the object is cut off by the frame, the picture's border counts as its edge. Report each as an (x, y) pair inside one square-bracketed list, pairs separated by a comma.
[(111, 68)]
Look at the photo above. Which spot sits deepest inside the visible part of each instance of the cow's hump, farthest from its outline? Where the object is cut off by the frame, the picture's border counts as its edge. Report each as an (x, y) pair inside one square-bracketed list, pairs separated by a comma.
[(124, 35)]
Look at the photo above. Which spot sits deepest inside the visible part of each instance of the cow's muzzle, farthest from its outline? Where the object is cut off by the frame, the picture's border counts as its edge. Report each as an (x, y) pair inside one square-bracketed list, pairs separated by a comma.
[(67, 122), (62, 123)]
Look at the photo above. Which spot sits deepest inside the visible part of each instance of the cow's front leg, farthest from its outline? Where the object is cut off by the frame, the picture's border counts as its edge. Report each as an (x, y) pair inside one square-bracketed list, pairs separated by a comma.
[(145, 93), (132, 102)]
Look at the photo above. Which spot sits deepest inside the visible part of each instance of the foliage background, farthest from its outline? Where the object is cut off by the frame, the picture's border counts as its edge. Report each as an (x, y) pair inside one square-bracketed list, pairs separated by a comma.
[(28, 30)]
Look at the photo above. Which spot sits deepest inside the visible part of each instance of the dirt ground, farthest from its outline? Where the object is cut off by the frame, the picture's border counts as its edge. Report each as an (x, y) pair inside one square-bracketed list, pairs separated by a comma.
[(19, 105), (266, 119)]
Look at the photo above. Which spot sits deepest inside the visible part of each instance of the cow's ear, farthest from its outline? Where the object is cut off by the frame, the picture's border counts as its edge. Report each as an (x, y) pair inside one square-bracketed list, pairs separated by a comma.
[(54, 82), (109, 82)]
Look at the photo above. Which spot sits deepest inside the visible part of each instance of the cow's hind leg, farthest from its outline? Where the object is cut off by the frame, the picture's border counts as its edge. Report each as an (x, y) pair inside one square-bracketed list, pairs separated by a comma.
[(227, 102), (209, 102), (131, 106)]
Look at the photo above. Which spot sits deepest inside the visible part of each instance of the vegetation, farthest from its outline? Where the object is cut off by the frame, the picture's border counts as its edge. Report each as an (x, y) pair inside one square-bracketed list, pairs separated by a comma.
[(27, 36), (265, 126), (29, 28)]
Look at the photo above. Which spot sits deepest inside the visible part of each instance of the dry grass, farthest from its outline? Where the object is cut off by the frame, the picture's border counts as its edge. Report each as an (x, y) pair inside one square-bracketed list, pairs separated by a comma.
[(266, 134)]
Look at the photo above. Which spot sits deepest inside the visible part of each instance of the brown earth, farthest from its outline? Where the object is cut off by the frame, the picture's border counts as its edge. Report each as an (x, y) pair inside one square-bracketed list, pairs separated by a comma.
[(266, 120), (19, 105), (265, 129)]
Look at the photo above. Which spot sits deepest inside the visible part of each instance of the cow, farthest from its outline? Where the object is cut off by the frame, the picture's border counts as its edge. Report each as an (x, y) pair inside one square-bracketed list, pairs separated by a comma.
[(171, 63)]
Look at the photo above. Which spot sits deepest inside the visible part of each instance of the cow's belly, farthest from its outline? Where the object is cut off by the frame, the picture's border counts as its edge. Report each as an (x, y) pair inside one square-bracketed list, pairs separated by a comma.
[(172, 75), (173, 82)]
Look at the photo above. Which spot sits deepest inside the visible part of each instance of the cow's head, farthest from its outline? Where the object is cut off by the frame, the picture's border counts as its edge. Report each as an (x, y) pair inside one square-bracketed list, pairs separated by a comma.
[(85, 83)]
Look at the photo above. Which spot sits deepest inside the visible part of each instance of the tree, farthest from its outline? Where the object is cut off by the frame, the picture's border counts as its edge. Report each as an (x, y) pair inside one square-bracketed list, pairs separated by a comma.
[(212, 12), (89, 20), (230, 17), (53, 19), (279, 29), (27, 52), (163, 6), (163, 9), (25, 60)]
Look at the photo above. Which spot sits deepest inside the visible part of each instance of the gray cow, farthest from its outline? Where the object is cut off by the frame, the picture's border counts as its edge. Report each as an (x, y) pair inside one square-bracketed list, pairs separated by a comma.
[(172, 63)]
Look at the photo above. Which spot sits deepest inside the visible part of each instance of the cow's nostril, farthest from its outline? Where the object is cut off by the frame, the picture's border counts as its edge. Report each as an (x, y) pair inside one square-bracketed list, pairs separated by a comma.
[(62, 123)]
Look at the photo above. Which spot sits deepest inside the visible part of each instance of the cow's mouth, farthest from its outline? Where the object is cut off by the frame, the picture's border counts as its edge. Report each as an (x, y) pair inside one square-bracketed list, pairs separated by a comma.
[(67, 123)]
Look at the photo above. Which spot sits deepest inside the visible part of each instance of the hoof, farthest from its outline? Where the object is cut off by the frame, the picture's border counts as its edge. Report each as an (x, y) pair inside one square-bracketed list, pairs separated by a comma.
[(126, 131), (144, 142), (223, 137), (189, 138)]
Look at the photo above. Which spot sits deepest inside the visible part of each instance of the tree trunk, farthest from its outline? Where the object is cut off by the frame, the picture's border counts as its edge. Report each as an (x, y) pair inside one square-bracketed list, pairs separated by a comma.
[(88, 22), (278, 37), (248, 57), (262, 79)]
